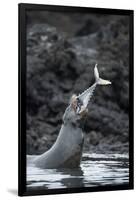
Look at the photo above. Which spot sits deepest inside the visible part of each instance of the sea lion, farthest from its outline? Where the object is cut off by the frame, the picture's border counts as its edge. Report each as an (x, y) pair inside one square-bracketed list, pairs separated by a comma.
[(66, 152)]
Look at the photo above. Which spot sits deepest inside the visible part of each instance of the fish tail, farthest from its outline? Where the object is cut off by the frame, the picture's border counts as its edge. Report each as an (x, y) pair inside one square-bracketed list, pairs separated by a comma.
[(99, 80)]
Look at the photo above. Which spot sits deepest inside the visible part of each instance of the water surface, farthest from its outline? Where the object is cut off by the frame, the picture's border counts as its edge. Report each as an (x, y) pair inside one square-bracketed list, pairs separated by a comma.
[(96, 170)]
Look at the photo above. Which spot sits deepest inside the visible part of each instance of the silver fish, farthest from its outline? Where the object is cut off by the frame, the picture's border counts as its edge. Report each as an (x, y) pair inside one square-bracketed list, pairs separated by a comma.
[(88, 93)]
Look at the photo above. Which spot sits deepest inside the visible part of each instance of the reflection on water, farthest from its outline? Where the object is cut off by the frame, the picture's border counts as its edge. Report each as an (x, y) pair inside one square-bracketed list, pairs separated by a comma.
[(96, 170)]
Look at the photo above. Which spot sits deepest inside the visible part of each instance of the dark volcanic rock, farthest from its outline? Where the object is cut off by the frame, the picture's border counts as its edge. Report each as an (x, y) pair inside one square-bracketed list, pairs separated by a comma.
[(59, 65)]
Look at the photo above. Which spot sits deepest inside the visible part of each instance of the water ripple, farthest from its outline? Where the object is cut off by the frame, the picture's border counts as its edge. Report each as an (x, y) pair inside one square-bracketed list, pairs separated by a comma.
[(96, 170)]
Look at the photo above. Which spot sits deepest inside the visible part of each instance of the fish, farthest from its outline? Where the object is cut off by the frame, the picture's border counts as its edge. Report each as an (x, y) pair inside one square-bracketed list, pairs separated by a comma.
[(84, 98)]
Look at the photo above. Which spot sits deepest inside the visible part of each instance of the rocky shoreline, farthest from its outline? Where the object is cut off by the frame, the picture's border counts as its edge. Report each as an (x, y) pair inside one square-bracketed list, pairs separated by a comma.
[(60, 63)]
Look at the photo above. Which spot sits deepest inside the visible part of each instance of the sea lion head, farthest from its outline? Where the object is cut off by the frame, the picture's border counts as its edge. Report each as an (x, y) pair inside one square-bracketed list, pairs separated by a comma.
[(75, 112), (78, 106)]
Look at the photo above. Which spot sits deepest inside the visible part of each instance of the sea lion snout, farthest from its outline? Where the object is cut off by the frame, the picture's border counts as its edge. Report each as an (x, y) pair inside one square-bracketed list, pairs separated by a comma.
[(78, 106)]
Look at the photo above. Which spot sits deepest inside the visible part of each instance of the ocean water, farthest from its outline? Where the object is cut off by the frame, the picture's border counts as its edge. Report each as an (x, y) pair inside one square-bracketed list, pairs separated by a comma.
[(96, 170)]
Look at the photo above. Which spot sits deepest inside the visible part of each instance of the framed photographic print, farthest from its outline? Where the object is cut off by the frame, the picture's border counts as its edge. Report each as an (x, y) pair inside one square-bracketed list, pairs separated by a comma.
[(75, 99)]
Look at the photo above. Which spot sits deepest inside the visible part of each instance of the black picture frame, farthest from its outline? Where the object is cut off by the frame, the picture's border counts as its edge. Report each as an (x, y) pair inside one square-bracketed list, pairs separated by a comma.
[(22, 8)]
